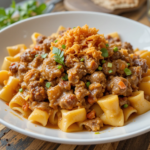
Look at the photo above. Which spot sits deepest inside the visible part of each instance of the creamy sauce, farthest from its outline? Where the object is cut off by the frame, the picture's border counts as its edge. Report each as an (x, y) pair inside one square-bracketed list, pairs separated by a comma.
[(16, 115)]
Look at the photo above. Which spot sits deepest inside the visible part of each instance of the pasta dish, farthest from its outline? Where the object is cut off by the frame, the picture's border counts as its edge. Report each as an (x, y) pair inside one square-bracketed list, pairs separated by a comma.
[(76, 78)]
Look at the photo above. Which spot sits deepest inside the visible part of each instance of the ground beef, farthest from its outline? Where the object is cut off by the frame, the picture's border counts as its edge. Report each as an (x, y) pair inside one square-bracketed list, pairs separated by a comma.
[(22, 70), (37, 61), (134, 81), (124, 55), (112, 40), (49, 69), (36, 91), (115, 56), (40, 39), (39, 105), (142, 63), (32, 75), (93, 125), (107, 69), (47, 44), (114, 88), (65, 85), (137, 71), (53, 95), (147, 97), (97, 77), (81, 92), (76, 73), (14, 67), (60, 96), (28, 55), (120, 66), (90, 64), (123, 101), (67, 100), (128, 46), (96, 92), (71, 60)]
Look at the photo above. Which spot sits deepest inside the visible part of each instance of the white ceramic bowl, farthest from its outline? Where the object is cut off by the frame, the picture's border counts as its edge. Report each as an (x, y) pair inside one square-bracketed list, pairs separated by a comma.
[(131, 31)]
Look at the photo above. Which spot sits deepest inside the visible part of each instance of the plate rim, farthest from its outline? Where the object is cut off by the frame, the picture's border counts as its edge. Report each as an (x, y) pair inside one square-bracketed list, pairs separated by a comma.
[(74, 141)]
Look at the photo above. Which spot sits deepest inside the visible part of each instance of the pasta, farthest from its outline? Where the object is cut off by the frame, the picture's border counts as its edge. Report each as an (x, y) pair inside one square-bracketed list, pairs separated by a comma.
[(128, 112), (113, 114), (76, 79)]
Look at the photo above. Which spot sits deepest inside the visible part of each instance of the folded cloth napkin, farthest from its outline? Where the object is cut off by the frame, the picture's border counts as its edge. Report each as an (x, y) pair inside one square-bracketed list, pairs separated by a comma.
[(116, 4)]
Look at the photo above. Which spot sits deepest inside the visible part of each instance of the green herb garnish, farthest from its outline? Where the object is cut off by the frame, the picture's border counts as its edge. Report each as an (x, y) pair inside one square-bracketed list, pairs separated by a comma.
[(21, 90), (65, 77), (82, 59), (100, 68), (103, 61), (59, 55), (110, 71), (107, 45), (125, 105), (104, 52), (63, 46), (87, 84), (127, 71), (74, 27), (59, 67), (115, 49), (56, 41), (44, 55), (128, 64), (29, 9), (109, 65), (36, 55), (48, 84), (97, 133)]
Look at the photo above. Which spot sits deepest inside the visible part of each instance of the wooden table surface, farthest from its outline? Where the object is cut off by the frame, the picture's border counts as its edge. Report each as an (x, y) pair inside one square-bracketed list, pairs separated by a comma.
[(11, 140)]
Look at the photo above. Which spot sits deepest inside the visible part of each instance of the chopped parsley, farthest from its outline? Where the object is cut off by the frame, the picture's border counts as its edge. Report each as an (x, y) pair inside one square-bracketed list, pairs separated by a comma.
[(21, 90), (109, 65), (125, 105), (87, 84), (59, 67), (115, 49), (82, 59), (110, 71), (107, 45), (74, 27), (103, 61), (48, 84), (127, 71), (104, 52), (65, 78), (128, 64), (97, 133), (100, 68), (36, 55), (63, 46), (59, 55), (55, 41), (44, 55)]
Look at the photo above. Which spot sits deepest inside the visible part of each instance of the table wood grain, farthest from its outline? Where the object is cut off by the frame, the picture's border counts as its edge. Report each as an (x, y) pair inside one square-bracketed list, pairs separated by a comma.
[(11, 140)]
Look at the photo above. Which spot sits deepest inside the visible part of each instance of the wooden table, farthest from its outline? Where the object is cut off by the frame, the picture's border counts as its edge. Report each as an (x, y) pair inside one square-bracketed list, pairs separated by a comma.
[(12, 140)]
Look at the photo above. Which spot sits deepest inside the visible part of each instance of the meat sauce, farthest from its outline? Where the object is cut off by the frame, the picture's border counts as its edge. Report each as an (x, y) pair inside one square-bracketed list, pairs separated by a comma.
[(83, 78)]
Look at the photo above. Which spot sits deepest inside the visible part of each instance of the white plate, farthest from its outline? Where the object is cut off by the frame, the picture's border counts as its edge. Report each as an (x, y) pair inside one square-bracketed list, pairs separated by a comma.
[(131, 31)]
